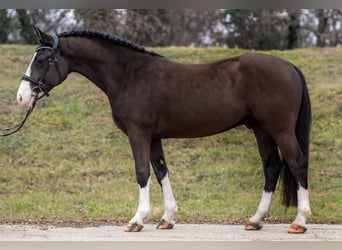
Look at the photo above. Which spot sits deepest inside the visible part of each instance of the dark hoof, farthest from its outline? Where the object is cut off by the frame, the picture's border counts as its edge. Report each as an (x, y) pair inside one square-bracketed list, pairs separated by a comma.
[(296, 229), (135, 227), (163, 224), (251, 226)]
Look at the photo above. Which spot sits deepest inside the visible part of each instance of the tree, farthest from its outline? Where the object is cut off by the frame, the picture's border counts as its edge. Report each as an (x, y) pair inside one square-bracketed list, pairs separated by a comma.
[(194, 27), (21, 21), (170, 27), (250, 29), (293, 29), (150, 27), (328, 31), (270, 30), (262, 29), (336, 30), (322, 26), (4, 26), (102, 19), (239, 24), (25, 28), (55, 20)]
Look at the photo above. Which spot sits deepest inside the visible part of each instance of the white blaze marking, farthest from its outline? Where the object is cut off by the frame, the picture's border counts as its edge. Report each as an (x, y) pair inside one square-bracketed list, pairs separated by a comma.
[(24, 94), (144, 204), (169, 200)]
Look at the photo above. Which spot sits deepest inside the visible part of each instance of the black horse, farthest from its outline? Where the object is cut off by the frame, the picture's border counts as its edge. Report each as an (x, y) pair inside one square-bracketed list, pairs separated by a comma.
[(153, 97)]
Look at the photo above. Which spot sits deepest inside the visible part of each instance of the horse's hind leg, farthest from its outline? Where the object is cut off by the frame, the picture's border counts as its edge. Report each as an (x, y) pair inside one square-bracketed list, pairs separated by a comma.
[(271, 164), (298, 167), (160, 169)]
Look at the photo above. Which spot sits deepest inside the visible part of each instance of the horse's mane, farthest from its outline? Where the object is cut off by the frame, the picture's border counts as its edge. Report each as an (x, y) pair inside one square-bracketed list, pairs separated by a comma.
[(108, 37)]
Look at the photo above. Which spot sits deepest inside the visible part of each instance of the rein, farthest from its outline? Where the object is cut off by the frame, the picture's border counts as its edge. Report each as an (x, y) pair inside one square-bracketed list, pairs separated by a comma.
[(16, 128), (39, 90)]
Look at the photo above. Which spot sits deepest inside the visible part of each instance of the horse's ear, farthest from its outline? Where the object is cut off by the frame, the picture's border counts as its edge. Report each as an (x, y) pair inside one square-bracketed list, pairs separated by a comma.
[(37, 31), (43, 37)]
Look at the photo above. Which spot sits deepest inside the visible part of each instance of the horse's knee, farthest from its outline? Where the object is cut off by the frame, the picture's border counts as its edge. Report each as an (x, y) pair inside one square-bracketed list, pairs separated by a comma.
[(143, 175)]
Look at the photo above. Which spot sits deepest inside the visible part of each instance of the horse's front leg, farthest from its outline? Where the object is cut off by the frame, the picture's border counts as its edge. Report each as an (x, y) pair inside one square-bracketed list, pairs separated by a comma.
[(160, 169), (140, 144)]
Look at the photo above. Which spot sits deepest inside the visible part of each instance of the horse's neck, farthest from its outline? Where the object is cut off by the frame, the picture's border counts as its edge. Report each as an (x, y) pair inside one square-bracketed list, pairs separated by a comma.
[(100, 64)]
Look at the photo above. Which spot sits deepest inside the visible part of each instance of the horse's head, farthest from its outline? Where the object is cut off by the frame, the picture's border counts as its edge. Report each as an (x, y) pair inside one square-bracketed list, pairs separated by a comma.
[(46, 70)]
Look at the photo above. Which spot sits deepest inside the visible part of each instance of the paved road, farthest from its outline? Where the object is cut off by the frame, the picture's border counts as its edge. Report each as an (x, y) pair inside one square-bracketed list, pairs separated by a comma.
[(181, 232)]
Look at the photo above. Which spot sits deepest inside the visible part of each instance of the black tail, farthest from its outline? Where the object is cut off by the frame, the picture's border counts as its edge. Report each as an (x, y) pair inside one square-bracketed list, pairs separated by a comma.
[(303, 127)]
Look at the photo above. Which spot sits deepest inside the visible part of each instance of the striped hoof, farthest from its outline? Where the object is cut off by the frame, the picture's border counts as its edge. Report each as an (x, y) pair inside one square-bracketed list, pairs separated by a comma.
[(163, 224), (135, 227), (252, 226), (296, 229)]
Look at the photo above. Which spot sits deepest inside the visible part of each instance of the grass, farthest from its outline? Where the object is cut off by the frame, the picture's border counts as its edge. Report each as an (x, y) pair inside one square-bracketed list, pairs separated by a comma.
[(70, 164)]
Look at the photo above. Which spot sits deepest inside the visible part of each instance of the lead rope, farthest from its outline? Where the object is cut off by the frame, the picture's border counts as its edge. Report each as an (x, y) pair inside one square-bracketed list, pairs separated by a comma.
[(16, 128)]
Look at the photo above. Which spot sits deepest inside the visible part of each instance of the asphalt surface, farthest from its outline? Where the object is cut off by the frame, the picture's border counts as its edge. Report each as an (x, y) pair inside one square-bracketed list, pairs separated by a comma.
[(181, 232)]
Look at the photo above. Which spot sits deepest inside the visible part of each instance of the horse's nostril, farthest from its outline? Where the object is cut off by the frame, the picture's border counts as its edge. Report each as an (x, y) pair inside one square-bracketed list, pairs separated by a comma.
[(20, 98)]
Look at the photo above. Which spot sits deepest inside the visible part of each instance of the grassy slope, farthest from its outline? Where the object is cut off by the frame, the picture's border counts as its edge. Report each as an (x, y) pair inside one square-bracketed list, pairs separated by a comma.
[(70, 163)]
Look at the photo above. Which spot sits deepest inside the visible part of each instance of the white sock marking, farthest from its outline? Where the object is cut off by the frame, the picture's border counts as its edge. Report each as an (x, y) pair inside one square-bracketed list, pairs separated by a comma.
[(264, 207), (304, 211), (169, 200), (144, 207)]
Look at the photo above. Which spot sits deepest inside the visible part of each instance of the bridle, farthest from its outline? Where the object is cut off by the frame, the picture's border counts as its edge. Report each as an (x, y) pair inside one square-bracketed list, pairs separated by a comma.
[(39, 86), (39, 90)]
